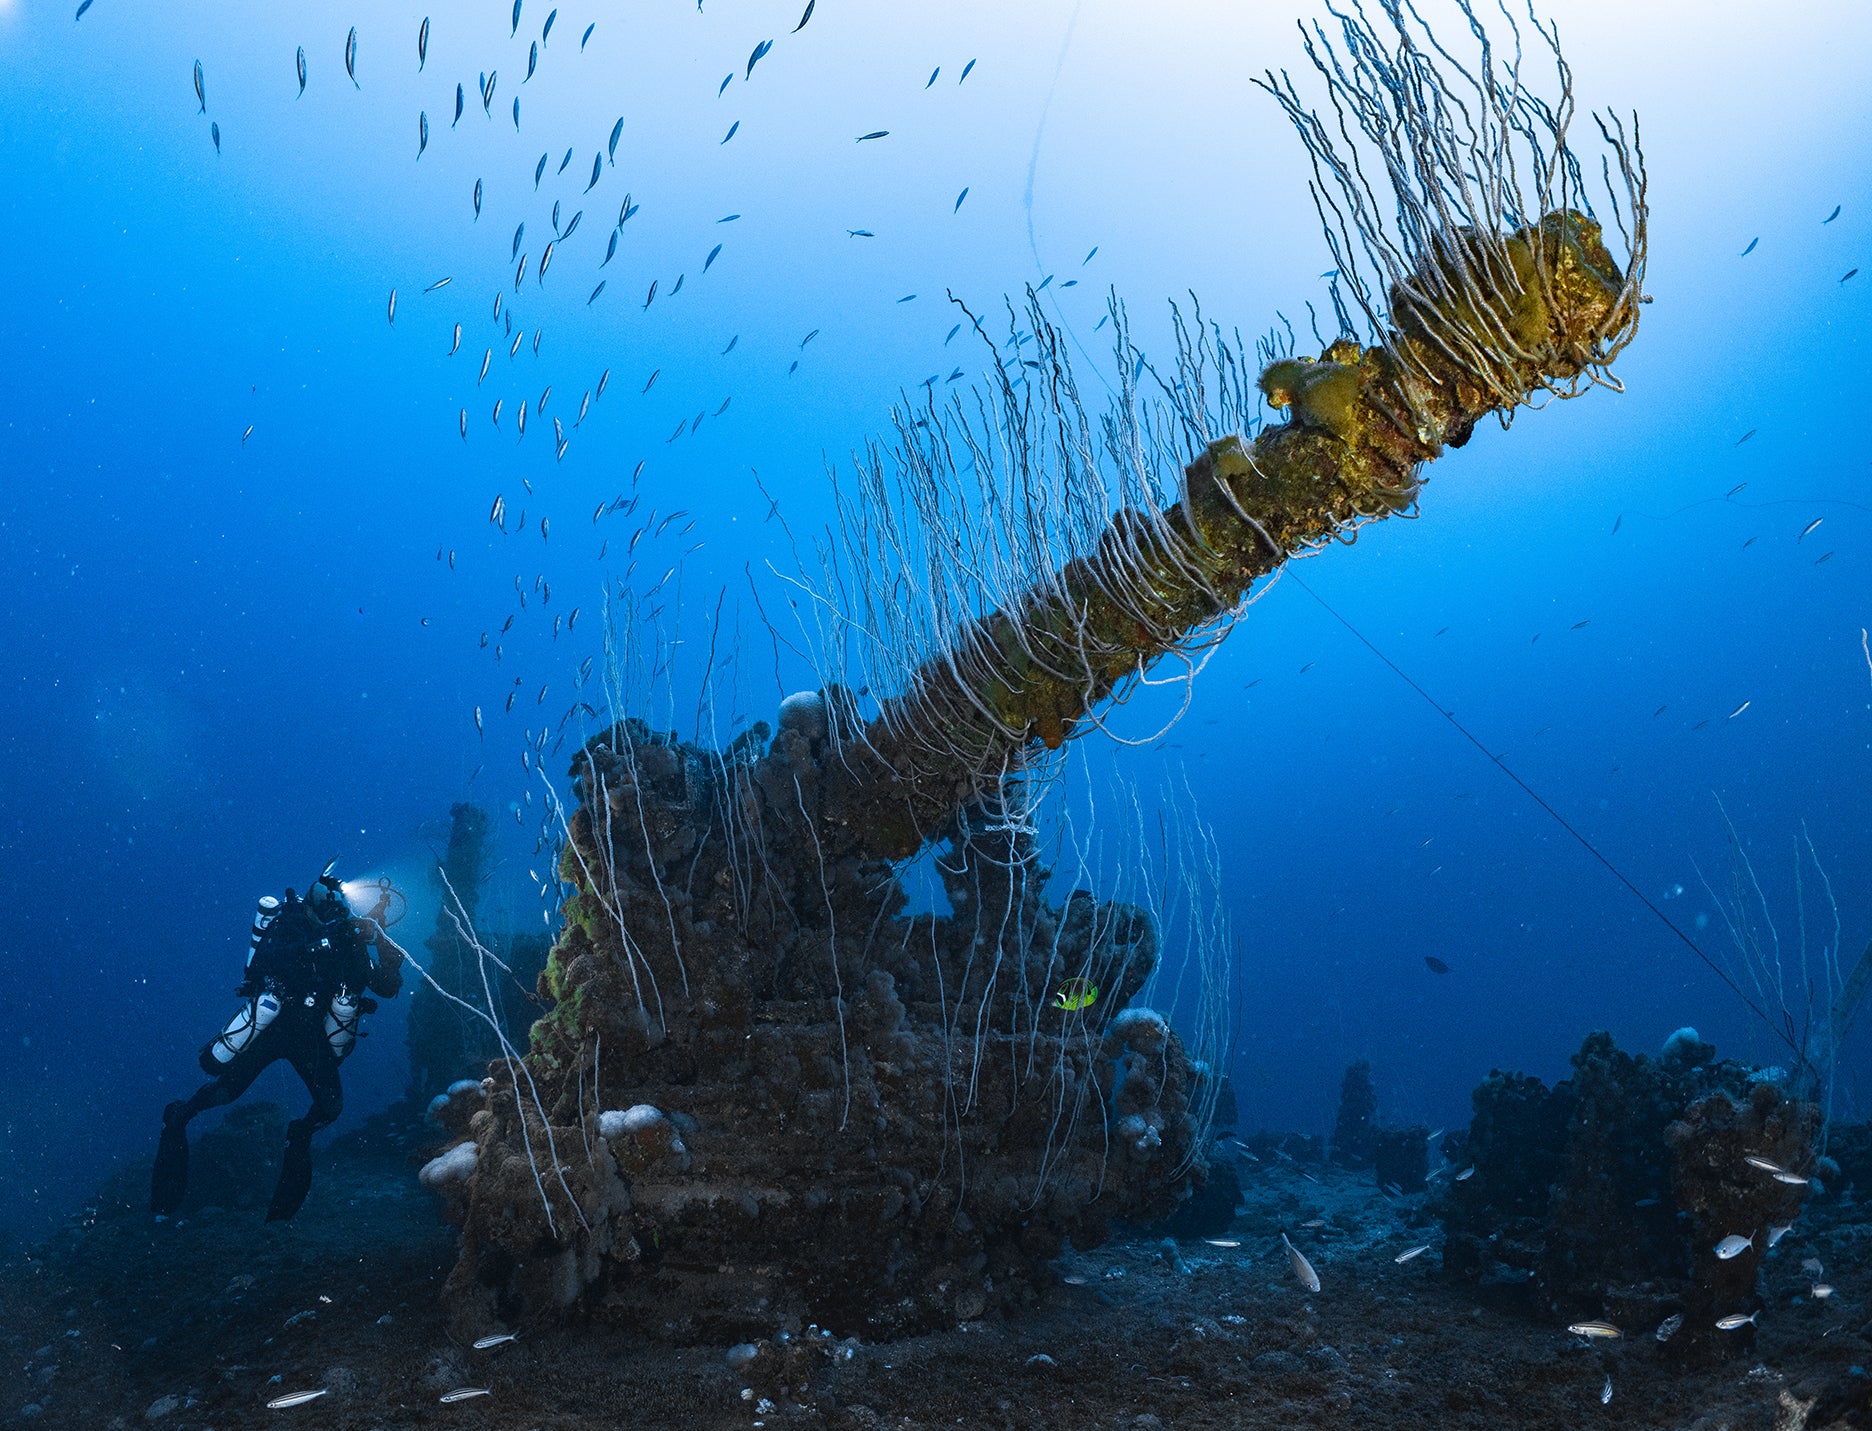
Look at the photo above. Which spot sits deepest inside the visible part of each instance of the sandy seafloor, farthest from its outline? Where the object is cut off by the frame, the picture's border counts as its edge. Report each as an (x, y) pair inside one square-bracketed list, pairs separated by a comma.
[(122, 1321)]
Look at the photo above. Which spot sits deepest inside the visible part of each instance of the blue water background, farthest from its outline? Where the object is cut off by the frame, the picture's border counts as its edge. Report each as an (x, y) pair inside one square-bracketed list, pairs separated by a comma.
[(215, 666)]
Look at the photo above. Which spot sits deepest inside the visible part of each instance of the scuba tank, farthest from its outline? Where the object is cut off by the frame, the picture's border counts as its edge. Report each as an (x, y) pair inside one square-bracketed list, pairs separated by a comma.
[(250, 1020), (264, 914), (341, 1023)]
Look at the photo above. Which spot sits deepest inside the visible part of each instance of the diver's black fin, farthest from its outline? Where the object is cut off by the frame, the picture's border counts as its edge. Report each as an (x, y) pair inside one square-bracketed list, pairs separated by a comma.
[(295, 1180), (169, 1178)]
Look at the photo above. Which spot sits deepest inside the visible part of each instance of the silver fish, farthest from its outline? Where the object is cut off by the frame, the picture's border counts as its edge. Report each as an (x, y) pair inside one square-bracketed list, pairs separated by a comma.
[(597, 169), (1735, 1321), (422, 45), (299, 63), (1793, 1180), (1411, 1252), (214, 132), (200, 93), (464, 424), (1302, 1269), (1605, 1392), (522, 417), (494, 1339), (603, 379), (572, 227), (1755, 1161), (440, 283), (455, 346), (1669, 1326), (546, 29), (1601, 1331), (1808, 529), (1778, 1231), (532, 62), (546, 260), (422, 132), (1222, 1242), (298, 1398), (486, 358), (393, 305), (617, 133), (1734, 1245), (1466, 1174), (1821, 1291), (1732, 715), (584, 407), (461, 94), (350, 57), (477, 200)]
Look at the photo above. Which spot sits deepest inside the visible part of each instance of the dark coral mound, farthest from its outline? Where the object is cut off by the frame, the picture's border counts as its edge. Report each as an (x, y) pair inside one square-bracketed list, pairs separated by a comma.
[(1607, 1195), (448, 1042), (1401, 1157), (771, 1091), (1355, 1128)]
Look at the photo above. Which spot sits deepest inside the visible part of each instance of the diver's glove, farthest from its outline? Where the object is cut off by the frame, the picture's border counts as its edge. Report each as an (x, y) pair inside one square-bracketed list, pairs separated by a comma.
[(389, 956)]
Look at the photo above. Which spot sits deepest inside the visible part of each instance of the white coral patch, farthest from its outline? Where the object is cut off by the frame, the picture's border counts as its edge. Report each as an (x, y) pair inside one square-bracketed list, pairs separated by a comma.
[(454, 1166)]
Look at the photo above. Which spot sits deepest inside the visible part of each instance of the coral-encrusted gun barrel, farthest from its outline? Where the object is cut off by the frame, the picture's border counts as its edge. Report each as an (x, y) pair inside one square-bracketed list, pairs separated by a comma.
[(1361, 422)]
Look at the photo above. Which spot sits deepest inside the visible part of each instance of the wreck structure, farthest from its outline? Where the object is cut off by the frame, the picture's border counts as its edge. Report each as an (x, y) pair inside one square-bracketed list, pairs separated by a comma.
[(765, 1089)]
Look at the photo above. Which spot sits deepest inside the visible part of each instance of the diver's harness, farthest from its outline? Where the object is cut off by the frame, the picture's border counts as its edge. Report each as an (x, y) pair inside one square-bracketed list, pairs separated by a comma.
[(343, 1014)]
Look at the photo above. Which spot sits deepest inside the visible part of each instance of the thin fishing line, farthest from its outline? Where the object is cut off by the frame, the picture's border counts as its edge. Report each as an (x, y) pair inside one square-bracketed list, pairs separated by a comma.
[(1558, 818)]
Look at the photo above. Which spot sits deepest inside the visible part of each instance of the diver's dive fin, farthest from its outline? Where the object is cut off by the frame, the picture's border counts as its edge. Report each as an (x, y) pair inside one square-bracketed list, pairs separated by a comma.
[(295, 1180), (169, 1178)]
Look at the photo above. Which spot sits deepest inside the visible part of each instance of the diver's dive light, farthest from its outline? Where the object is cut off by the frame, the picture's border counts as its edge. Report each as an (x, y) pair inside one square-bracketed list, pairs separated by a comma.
[(375, 898)]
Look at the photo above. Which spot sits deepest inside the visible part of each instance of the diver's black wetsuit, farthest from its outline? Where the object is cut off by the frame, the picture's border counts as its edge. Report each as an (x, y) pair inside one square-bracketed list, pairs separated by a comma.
[(305, 965)]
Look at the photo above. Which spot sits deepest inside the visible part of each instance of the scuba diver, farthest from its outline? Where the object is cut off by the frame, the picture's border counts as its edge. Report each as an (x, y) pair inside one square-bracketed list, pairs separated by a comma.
[(309, 977)]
